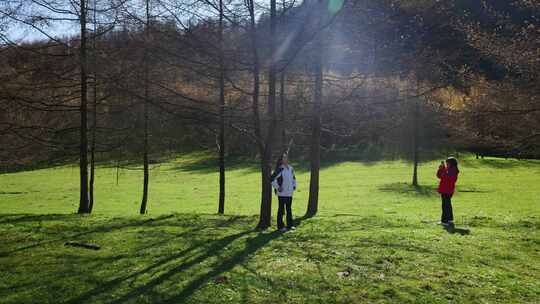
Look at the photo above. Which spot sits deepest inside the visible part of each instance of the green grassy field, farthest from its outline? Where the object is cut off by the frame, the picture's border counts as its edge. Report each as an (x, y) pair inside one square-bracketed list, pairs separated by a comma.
[(374, 239)]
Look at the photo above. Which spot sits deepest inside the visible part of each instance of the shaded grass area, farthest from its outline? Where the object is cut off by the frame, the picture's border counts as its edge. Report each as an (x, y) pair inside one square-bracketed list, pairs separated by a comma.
[(499, 163), (404, 188), (184, 258)]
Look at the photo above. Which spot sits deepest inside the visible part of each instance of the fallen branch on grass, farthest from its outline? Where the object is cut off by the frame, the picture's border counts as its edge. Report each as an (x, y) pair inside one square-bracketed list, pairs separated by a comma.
[(83, 245)]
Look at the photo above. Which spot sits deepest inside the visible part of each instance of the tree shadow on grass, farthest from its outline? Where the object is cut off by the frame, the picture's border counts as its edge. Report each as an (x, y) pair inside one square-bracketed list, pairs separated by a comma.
[(15, 192), (252, 246), (176, 262), (21, 218), (405, 188), (109, 226), (499, 163), (210, 165), (65, 217), (180, 262), (107, 286)]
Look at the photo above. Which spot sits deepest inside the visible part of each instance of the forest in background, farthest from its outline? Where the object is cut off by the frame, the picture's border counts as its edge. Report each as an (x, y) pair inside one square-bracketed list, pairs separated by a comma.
[(375, 79)]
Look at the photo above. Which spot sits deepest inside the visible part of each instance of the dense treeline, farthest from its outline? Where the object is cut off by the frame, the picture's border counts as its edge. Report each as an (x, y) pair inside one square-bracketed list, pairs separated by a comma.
[(375, 79)]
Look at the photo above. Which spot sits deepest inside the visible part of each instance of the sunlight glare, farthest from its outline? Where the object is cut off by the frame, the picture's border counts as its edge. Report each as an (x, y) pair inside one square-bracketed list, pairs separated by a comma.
[(334, 6)]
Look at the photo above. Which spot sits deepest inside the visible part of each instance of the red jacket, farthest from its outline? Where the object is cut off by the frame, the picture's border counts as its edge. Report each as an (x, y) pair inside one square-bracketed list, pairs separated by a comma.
[(448, 177)]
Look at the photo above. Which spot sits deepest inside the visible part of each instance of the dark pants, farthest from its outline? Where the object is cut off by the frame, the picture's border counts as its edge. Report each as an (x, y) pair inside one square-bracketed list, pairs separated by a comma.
[(447, 214), (284, 203)]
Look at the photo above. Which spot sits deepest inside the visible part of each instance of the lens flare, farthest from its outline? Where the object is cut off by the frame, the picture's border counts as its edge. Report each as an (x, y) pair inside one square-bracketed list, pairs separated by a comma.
[(335, 5)]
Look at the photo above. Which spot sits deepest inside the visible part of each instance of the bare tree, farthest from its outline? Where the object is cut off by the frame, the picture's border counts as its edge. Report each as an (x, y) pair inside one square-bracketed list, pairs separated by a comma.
[(146, 80), (84, 206), (221, 106), (315, 148), (94, 109), (264, 220), (415, 148), (266, 161), (283, 112)]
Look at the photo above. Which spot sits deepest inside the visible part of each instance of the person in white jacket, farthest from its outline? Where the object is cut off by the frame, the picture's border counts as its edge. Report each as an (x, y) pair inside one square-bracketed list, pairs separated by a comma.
[(284, 183)]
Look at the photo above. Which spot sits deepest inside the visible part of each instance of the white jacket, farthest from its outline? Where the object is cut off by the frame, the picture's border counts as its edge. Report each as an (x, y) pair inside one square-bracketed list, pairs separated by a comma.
[(284, 177)]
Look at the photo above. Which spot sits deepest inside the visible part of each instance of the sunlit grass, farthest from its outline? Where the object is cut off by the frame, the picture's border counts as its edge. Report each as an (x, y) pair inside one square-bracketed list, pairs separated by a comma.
[(373, 240)]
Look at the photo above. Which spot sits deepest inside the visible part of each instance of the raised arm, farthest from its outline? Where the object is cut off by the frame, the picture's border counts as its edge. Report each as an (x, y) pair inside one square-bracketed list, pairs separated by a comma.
[(441, 172)]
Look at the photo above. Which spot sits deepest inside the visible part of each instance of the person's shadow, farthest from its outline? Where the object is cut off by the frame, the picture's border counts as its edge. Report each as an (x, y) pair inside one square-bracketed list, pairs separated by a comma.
[(452, 229)]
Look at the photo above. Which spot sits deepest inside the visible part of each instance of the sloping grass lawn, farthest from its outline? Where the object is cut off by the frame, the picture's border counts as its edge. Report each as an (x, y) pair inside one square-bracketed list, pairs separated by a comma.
[(374, 240)]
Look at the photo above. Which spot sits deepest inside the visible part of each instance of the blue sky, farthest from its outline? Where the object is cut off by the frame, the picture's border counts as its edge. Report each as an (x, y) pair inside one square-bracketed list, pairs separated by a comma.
[(15, 29), (60, 28), (27, 33)]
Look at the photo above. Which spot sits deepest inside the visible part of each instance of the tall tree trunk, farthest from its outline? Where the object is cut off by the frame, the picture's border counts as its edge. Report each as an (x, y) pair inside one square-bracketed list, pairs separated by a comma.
[(83, 160), (145, 105), (282, 93), (94, 115), (266, 194), (315, 149), (283, 120), (256, 77), (255, 105), (221, 105), (416, 112)]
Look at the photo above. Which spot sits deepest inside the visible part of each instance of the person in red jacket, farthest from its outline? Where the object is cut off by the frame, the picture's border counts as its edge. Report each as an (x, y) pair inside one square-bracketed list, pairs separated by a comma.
[(448, 175)]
